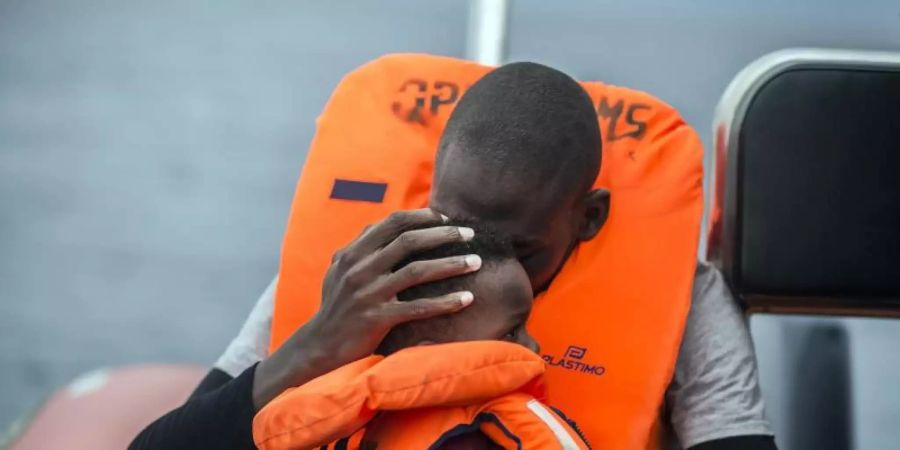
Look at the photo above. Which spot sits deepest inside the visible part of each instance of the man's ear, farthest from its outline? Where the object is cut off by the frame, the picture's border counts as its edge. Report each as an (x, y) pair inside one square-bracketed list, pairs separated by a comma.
[(595, 208)]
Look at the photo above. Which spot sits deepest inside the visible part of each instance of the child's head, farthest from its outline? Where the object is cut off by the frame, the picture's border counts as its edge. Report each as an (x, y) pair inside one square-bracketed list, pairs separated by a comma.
[(502, 291)]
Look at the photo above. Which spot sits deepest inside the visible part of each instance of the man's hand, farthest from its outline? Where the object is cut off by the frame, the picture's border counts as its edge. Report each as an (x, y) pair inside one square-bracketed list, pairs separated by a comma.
[(359, 299)]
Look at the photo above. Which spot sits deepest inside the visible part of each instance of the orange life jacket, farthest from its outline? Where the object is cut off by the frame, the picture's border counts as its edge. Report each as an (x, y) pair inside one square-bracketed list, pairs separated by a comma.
[(611, 322), (425, 395)]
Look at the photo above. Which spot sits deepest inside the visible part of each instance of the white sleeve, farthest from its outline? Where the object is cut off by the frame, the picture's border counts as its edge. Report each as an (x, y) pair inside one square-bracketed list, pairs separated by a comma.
[(715, 391), (252, 342)]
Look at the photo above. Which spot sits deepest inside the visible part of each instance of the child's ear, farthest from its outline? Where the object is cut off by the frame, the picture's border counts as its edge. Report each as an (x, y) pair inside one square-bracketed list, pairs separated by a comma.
[(595, 211)]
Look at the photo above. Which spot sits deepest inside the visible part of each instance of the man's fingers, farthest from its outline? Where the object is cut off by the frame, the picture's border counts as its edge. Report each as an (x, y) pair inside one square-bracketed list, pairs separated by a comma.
[(415, 241), (418, 272), (384, 232), (401, 312)]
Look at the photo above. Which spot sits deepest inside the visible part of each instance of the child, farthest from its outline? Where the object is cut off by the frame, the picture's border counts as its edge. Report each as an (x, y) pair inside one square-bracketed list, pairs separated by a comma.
[(503, 298), (441, 383)]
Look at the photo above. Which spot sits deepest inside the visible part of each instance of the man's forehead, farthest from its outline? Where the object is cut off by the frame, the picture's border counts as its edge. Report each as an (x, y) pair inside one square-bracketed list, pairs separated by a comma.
[(515, 217), (519, 230)]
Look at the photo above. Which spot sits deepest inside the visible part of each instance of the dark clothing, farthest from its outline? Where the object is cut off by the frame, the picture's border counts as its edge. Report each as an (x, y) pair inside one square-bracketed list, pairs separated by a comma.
[(219, 415)]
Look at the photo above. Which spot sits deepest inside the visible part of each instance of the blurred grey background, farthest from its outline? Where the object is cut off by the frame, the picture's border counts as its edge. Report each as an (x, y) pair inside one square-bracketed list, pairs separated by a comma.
[(149, 149)]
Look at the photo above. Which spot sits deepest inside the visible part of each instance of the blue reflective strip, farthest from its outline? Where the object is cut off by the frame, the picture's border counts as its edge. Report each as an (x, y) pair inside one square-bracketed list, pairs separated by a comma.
[(363, 191)]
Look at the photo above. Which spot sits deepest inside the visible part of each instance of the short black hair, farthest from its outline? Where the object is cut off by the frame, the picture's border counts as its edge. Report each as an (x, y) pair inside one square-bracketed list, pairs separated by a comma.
[(532, 119), (492, 247)]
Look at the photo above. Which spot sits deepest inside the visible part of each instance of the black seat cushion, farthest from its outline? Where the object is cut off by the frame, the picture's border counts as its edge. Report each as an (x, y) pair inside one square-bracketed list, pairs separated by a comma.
[(818, 186)]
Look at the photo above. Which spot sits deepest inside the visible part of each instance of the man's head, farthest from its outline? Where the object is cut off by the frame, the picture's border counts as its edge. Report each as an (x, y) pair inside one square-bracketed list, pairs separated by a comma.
[(521, 152), (502, 293)]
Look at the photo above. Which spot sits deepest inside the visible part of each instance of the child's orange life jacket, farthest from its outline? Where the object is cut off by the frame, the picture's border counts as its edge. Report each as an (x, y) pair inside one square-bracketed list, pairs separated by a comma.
[(422, 397), (611, 322)]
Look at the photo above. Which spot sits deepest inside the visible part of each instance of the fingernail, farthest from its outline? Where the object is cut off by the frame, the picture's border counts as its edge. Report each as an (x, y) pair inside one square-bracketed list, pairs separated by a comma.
[(444, 218), (466, 298), (466, 233), (473, 262)]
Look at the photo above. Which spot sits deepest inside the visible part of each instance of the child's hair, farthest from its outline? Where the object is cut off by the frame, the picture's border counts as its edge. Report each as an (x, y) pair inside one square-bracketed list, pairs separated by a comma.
[(489, 245)]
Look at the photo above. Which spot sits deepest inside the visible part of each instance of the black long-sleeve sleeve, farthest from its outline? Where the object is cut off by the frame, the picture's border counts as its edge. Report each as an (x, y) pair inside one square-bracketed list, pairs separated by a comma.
[(213, 418), (755, 442), (219, 415)]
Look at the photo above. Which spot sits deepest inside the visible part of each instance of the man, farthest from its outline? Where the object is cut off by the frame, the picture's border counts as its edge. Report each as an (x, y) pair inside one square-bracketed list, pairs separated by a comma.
[(520, 154)]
